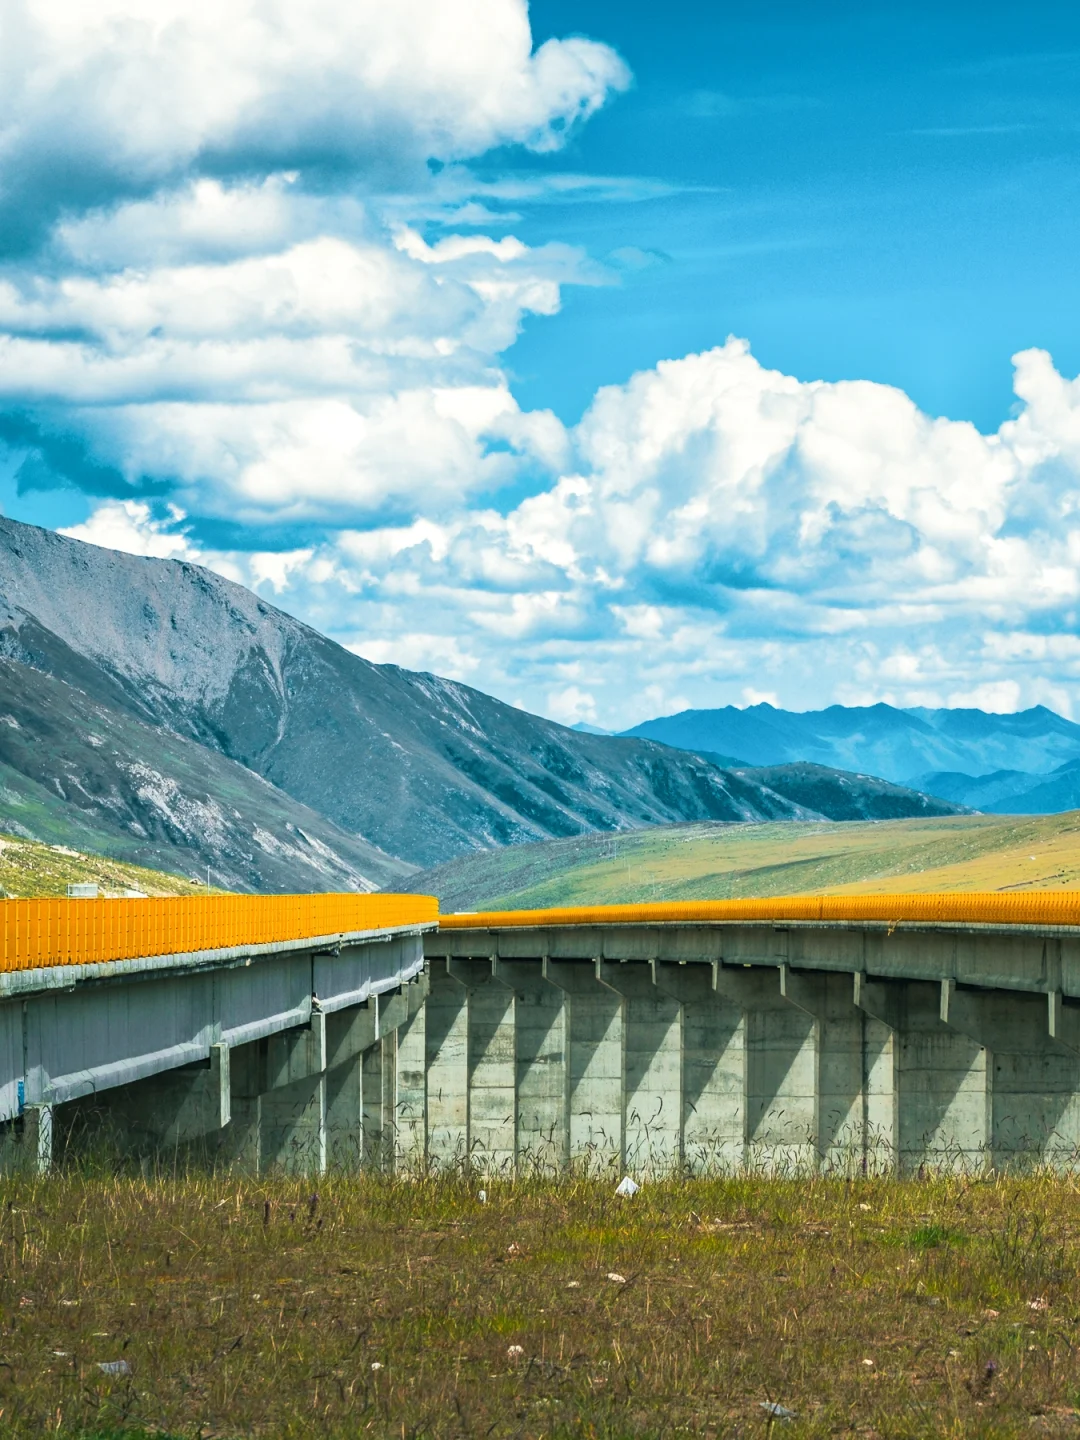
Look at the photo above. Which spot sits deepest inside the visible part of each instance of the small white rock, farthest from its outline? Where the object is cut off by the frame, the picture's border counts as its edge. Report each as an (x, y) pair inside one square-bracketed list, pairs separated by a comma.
[(616, 1278)]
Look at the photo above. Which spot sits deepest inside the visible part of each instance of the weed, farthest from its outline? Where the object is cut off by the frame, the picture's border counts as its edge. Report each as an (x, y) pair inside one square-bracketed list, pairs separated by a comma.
[(929, 1237), (383, 1306)]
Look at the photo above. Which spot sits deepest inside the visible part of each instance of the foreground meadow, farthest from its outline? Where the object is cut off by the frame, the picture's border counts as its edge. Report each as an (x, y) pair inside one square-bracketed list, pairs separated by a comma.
[(372, 1307)]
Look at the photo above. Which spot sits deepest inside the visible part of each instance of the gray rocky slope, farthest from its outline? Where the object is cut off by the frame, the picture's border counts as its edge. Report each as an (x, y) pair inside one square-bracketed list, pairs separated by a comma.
[(398, 764)]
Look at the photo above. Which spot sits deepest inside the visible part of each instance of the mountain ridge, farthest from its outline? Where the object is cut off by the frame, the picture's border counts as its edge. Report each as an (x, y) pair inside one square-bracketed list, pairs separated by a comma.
[(905, 746), (401, 769)]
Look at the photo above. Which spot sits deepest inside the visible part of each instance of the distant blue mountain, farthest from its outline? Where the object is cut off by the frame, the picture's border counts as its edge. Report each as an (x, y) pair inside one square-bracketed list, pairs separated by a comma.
[(1010, 792), (909, 747)]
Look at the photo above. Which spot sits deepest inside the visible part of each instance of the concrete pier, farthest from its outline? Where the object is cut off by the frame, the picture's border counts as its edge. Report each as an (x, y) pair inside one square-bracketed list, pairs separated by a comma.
[(845, 1048)]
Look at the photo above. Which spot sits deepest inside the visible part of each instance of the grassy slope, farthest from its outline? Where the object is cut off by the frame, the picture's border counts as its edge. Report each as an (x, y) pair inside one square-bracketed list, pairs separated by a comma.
[(256, 1307), (683, 862), (32, 871)]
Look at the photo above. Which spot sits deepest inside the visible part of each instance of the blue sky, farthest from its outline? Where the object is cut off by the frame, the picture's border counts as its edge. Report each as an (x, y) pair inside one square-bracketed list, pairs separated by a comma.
[(611, 358), (886, 192)]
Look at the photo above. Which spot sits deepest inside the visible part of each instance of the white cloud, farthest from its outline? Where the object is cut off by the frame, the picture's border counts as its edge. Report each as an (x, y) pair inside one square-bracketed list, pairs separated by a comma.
[(110, 96), (733, 534), (571, 706), (246, 293), (128, 525)]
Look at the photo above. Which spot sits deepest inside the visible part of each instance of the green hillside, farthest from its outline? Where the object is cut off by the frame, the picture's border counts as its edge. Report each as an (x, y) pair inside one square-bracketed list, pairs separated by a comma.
[(29, 870), (716, 862)]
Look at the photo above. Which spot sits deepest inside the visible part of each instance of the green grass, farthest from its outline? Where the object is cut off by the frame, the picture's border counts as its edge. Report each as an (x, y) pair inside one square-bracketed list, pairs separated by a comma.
[(29, 870), (372, 1306), (713, 861)]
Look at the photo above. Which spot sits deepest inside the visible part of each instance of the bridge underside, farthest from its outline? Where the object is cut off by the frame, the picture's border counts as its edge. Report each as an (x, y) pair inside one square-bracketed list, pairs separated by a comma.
[(842, 1049), (282, 1057)]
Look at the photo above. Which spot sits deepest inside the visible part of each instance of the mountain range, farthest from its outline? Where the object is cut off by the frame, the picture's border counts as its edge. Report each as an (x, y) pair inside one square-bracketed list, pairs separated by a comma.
[(1006, 763), (154, 710)]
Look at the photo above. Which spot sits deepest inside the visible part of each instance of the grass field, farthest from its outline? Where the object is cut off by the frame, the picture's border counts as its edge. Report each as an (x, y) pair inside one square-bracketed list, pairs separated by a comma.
[(29, 870), (372, 1307), (717, 861)]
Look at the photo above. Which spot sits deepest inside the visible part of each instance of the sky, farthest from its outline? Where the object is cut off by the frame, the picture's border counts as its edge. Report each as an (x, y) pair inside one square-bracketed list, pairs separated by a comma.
[(611, 358)]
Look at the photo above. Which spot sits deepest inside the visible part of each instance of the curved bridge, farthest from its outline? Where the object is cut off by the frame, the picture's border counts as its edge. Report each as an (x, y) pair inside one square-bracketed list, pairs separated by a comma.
[(821, 1033), (839, 1033)]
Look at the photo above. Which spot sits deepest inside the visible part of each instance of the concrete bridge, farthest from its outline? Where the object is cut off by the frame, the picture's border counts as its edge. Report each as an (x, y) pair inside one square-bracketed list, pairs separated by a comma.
[(849, 1035), (258, 1030)]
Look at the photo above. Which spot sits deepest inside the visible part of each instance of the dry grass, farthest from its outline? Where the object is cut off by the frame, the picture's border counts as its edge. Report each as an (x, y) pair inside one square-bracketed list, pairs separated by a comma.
[(408, 1308)]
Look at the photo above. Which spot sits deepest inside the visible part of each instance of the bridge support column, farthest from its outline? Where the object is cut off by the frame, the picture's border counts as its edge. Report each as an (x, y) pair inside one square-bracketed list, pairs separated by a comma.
[(880, 1005), (942, 1086), (781, 1070), (595, 1062), (410, 1101), (854, 1082), (447, 1059), (491, 1065), (350, 1034), (37, 1139), (294, 1103), (1031, 1074), (713, 1066), (542, 1017), (652, 1068)]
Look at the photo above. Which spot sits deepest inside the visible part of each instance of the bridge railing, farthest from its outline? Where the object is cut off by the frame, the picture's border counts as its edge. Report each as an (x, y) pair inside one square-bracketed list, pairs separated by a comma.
[(37, 933), (1043, 907)]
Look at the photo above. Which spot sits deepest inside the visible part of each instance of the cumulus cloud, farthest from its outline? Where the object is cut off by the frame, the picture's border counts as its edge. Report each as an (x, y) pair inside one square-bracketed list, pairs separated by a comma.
[(104, 98), (221, 301), (238, 297), (729, 533)]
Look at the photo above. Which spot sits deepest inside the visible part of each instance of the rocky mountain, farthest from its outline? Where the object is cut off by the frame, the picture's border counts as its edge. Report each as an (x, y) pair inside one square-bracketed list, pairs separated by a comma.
[(904, 746), (77, 772), (160, 706), (826, 794)]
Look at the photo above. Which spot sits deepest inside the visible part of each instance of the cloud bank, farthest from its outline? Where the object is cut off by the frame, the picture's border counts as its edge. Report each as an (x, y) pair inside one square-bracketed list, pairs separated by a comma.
[(258, 306)]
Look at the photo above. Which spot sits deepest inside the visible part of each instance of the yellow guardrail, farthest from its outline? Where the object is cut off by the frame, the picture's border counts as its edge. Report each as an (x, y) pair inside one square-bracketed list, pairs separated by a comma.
[(35, 933), (1042, 907)]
